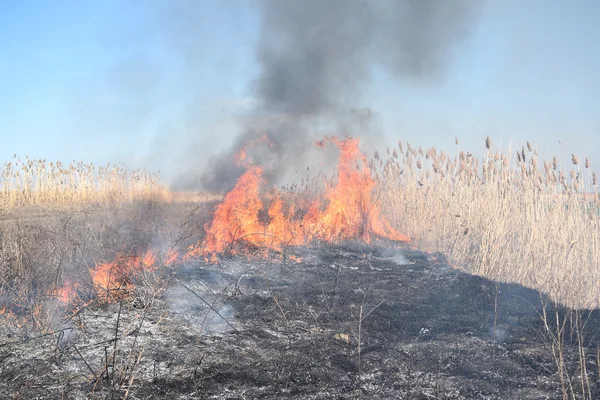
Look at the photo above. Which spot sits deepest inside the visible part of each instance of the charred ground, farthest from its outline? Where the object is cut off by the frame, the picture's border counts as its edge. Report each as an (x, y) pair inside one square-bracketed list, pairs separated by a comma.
[(263, 329)]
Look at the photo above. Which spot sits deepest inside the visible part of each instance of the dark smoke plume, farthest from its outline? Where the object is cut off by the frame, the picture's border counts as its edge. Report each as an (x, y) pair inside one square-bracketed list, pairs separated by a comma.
[(316, 58)]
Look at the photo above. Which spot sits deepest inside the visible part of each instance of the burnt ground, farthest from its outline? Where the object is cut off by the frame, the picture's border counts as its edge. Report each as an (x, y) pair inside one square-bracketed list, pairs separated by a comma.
[(270, 330)]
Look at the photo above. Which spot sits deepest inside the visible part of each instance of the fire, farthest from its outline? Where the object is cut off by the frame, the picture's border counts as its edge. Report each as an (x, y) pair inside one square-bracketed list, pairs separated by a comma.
[(349, 212), (68, 293), (23, 315), (242, 158), (113, 280), (148, 261), (237, 216), (172, 257), (265, 220)]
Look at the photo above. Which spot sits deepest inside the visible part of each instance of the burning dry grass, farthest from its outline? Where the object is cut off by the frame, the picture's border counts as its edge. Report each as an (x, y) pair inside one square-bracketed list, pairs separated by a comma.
[(38, 183), (101, 255), (65, 260), (508, 217), (61, 227), (345, 209), (74, 233), (503, 217)]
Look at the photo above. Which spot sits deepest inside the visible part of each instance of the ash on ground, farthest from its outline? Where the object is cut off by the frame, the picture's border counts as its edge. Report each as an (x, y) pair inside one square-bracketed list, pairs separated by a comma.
[(347, 322)]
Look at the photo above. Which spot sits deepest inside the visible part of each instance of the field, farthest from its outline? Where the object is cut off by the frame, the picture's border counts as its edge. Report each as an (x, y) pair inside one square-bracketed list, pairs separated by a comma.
[(396, 270)]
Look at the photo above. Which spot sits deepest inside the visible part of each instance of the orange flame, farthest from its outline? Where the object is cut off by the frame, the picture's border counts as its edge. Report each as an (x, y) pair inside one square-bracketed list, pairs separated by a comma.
[(237, 216), (349, 212), (265, 221), (171, 257), (113, 280), (67, 294), (242, 157)]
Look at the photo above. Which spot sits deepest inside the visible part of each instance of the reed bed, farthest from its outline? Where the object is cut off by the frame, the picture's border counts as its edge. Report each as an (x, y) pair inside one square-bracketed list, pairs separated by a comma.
[(50, 184), (507, 216)]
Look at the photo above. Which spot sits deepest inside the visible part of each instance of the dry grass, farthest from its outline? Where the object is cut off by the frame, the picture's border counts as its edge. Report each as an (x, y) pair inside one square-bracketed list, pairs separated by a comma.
[(58, 221), (507, 216), (38, 183)]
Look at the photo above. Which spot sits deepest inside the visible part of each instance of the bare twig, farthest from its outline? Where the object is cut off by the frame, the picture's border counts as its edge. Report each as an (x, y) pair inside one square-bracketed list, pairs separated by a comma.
[(114, 355), (361, 317), (84, 361), (137, 361), (335, 284)]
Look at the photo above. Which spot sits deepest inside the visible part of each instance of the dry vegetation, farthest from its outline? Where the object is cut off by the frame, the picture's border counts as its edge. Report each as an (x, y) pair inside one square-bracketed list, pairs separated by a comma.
[(509, 216), (58, 221), (38, 183)]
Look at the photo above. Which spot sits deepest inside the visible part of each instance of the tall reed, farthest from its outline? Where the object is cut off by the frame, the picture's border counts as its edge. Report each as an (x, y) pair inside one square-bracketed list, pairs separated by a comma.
[(507, 215), (37, 182)]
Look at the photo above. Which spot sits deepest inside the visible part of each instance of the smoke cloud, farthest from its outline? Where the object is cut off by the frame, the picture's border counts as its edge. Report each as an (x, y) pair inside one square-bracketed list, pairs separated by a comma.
[(316, 59)]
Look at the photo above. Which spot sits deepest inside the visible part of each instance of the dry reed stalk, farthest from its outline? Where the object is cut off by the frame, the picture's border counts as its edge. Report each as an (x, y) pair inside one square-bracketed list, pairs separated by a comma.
[(38, 183), (511, 223)]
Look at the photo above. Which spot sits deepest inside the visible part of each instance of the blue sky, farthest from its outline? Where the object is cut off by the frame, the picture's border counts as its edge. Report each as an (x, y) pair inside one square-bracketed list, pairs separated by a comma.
[(143, 82)]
